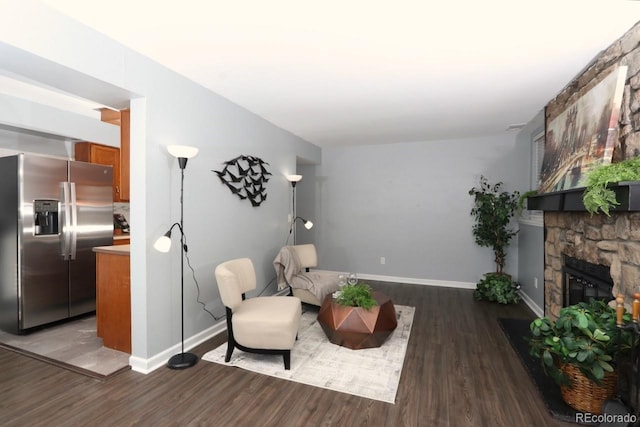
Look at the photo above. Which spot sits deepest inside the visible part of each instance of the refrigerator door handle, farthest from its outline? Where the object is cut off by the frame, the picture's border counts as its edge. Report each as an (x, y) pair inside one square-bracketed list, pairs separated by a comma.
[(74, 221), (66, 229)]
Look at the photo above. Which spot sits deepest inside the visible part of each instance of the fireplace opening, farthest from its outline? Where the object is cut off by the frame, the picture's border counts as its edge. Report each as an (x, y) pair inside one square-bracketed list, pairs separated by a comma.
[(584, 280)]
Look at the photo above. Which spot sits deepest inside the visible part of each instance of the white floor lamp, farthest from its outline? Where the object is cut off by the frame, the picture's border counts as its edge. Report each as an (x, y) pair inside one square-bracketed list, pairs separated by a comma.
[(163, 244), (293, 179)]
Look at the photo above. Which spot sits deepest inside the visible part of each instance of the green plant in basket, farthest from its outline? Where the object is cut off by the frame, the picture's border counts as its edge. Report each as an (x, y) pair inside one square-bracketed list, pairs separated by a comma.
[(358, 295), (584, 335)]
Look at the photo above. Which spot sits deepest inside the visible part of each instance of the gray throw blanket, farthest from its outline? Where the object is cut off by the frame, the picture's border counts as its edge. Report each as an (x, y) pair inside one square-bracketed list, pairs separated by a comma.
[(290, 272)]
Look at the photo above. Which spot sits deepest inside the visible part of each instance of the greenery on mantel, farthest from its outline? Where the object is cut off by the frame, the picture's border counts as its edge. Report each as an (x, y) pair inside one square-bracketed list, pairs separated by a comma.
[(598, 197), (523, 198)]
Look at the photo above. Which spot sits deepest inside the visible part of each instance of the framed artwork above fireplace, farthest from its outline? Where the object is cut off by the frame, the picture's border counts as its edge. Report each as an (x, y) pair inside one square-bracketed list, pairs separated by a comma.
[(582, 136)]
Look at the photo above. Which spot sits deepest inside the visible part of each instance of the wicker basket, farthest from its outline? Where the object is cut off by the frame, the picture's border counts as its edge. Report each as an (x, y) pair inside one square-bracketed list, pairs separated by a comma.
[(585, 395)]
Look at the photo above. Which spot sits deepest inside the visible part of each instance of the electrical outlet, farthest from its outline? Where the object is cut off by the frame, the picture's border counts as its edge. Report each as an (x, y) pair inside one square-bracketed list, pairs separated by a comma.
[(289, 219), (382, 260), (535, 282)]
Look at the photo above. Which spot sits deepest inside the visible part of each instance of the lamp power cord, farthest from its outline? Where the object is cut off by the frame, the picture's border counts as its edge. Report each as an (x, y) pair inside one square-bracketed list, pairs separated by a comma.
[(193, 275), (195, 280)]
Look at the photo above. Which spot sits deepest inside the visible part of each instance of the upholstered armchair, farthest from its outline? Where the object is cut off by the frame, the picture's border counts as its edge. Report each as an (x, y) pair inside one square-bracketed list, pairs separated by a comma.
[(267, 325), (293, 266)]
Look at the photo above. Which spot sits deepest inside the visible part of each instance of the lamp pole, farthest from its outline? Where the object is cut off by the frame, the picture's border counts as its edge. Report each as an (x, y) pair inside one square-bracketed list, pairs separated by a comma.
[(293, 211), (182, 360), (182, 256)]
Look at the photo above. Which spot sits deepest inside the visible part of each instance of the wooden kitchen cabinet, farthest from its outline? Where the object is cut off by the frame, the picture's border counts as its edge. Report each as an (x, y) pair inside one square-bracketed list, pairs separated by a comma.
[(103, 155), (108, 115), (113, 296), (125, 153)]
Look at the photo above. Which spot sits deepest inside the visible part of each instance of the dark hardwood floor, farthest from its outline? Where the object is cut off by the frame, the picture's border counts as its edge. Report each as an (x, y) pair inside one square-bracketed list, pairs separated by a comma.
[(459, 370)]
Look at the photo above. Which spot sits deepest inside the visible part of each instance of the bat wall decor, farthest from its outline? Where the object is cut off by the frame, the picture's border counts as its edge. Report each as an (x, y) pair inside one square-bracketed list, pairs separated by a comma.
[(246, 177)]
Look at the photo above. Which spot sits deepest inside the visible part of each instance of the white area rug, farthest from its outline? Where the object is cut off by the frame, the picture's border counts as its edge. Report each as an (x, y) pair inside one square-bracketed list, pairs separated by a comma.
[(373, 373)]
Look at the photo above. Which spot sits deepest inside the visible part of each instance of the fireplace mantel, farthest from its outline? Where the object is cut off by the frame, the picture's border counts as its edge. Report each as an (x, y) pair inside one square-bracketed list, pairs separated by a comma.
[(627, 193)]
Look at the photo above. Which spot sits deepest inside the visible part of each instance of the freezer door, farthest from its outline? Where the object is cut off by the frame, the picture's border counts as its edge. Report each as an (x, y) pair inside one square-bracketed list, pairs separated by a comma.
[(9, 232), (43, 292), (91, 189)]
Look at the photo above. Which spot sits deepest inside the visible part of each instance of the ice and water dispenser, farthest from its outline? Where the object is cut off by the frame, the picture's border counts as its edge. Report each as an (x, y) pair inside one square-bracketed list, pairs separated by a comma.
[(45, 214)]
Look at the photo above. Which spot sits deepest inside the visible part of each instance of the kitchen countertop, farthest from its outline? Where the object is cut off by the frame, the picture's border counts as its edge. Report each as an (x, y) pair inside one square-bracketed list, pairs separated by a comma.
[(114, 250), (120, 236)]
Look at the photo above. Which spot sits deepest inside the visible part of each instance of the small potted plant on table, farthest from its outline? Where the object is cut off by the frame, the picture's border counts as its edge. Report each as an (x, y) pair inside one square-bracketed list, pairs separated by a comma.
[(358, 318), (357, 295)]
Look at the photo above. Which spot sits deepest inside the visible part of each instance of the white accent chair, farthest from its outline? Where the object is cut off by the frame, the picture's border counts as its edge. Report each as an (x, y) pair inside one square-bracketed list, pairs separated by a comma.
[(267, 325), (292, 265), (308, 259)]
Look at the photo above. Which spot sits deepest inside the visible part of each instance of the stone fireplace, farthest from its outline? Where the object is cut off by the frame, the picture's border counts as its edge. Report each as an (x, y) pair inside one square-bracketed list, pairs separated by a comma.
[(612, 242), (603, 246), (608, 242)]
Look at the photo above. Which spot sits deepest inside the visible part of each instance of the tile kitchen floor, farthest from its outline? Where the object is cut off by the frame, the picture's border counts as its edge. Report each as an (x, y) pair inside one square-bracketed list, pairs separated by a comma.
[(72, 344)]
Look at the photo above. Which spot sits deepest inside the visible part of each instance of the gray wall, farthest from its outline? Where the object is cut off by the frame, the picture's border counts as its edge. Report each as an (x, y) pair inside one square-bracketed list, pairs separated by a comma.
[(165, 109), (305, 203), (408, 203), (531, 236), (531, 264)]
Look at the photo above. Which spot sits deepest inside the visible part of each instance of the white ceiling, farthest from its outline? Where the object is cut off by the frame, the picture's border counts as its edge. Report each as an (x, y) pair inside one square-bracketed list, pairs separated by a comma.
[(347, 72)]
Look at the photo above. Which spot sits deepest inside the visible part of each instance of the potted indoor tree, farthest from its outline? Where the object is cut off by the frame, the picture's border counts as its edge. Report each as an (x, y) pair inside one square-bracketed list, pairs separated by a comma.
[(493, 210), (579, 350)]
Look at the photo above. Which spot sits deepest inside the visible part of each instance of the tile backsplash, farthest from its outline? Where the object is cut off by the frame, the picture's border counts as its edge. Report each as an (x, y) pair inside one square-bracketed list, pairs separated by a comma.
[(122, 208)]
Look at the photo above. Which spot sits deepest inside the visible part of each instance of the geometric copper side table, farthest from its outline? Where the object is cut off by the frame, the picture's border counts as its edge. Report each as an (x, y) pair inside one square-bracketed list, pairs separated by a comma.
[(355, 327)]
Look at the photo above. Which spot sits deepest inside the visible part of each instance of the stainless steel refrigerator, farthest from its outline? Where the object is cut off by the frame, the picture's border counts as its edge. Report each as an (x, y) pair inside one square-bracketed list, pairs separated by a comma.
[(52, 213)]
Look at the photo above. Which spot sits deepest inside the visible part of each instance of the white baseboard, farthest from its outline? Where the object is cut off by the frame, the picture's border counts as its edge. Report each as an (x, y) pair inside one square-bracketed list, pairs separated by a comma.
[(449, 284), (414, 281), (159, 360), (532, 305)]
